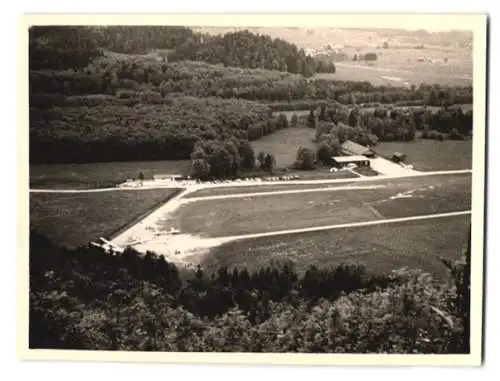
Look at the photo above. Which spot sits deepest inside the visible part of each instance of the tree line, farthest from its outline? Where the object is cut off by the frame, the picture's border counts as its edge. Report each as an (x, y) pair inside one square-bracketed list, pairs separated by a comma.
[(86, 298), (61, 47), (389, 124)]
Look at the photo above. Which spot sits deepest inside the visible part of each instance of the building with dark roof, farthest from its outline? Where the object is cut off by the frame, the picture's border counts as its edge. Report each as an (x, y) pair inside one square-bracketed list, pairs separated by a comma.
[(349, 148)]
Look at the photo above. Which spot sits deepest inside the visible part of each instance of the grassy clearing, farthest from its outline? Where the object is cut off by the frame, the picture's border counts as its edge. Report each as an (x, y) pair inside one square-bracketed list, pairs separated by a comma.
[(99, 175), (382, 248), (429, 155), (75, 219), (433, 194), (228, 217), (285, 143)]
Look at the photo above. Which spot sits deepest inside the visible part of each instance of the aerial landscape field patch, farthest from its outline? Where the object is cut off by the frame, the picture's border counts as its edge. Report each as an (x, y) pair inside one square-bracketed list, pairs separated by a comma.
[(284, 144), (432, 155), (76, 219), (398, 198), (98, 175)]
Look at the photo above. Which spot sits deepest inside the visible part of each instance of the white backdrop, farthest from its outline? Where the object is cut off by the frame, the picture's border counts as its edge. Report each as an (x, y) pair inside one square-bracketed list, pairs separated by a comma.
[(13, 369)]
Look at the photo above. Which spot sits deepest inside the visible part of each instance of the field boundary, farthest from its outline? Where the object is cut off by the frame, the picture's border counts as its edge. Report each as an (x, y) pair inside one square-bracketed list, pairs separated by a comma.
[(278, 192), (93, 190)]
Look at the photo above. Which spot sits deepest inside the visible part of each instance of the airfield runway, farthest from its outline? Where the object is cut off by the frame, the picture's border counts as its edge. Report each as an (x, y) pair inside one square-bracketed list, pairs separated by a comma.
[(213, 220)]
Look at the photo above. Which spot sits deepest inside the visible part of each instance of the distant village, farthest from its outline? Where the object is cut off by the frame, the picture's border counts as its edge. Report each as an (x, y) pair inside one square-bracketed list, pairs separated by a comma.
[(338, 53)]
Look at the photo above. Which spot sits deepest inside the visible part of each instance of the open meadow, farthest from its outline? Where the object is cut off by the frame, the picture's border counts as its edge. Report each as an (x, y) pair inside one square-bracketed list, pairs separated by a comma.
[(431, 155), (402, 68), (380, 248), (100, 175), (405, 66), (75, 219), (378, 200), (284, 144)]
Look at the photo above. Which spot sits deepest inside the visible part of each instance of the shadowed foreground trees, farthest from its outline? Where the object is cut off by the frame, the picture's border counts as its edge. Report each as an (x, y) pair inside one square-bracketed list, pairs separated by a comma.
[(87, 299)]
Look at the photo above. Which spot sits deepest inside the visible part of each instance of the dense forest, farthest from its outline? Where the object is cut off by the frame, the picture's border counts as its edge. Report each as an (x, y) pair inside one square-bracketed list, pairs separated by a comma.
[(80, 51), (147, 131), (61, 47), (142, 39), (115, 75), (238, 49), (172, 128), (88, 299), (246, 49)]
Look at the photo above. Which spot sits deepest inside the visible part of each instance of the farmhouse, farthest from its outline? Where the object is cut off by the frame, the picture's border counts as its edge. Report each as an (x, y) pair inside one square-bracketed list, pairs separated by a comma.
[(343, 161), (349, 148)]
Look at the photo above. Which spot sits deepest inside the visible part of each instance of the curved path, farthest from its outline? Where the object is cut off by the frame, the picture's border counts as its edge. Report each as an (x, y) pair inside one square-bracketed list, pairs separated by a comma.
[(186, 249)]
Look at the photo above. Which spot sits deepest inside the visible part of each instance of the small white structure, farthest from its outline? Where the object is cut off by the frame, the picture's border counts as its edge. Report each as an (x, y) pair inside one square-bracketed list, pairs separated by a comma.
[(168, 176), (351, 161), (174, 231)]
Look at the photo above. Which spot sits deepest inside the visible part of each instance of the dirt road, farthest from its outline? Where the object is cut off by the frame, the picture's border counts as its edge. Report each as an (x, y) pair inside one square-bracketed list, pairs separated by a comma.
[(194, 186), (187, 249)]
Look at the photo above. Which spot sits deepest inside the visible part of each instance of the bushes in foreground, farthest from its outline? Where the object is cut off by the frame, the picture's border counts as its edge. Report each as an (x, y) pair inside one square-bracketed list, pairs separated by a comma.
[(87, 299)]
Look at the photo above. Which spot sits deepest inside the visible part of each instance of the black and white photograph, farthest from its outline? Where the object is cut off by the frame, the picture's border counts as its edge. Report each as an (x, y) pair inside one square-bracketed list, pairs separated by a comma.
[(221, 187)]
